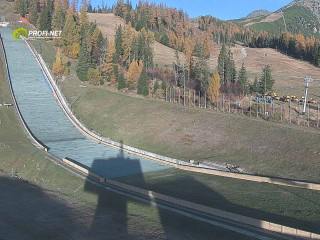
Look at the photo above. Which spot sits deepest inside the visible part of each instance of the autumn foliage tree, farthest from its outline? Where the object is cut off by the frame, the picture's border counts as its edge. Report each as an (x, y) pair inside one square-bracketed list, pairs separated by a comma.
[(134, 73), (214, 86), (71, 36), (59, 67), (93, 76), (109, 60)]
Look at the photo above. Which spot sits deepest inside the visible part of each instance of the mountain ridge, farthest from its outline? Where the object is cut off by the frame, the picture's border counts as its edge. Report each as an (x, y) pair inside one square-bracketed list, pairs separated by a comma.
[(258, 13), (298, 17), (312, 5)]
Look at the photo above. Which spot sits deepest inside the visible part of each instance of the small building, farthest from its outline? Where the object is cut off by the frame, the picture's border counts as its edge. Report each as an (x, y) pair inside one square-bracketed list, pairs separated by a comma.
[(23, 20), (4, 24)]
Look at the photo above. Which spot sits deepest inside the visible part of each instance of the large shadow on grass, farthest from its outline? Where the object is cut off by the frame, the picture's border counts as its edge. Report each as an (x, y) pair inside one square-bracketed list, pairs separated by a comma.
[(188, 188), (27, 212), (112, 216)]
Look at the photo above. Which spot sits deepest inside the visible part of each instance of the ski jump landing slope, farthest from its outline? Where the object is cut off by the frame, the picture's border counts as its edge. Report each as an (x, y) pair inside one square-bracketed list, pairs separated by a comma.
[(48, 123)]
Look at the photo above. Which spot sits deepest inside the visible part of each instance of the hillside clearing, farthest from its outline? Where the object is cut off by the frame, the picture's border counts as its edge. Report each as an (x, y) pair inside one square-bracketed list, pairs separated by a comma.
[(108, 22), (287, 71)]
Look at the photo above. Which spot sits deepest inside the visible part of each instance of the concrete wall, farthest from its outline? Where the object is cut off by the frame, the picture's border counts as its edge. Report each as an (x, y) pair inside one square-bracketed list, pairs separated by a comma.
[(198, 207)]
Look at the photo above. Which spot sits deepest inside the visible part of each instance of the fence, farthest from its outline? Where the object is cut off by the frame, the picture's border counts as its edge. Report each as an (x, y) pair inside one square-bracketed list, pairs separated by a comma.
[(198, 207), (278, 111)]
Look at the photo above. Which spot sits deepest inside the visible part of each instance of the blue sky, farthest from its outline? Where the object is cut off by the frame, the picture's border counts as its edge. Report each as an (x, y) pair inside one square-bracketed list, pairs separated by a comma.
[(223, 9)]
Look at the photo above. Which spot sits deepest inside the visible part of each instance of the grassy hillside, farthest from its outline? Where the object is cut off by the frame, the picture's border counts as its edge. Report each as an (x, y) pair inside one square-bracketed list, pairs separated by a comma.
[(299, 19), (288, 72), (285, 69), (163, 55)]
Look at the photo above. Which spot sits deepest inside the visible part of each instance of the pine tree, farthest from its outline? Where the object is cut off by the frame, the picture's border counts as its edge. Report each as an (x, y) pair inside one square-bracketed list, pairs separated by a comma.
[(243, 80), (231, 72), (115, 74), (121, 81), (222, 59), (226, 68), (101, 44), (214, 86), (21, 6), (143, 83), (45, 20), (266, 81), (201, 72), (118, 43), (58, 21), (255, 86), (33, 16), (58, 17), (84, 62)]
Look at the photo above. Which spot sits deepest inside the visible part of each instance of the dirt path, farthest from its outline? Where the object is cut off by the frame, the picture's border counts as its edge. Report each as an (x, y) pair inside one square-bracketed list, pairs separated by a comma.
[(244, 55)]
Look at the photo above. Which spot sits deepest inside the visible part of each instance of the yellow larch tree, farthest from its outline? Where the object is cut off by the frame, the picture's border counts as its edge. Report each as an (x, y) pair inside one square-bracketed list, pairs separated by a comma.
[(134, 73), (188, 50), (58, 67), (108, 65), (128, 37), (214, 86), (208, 44)]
